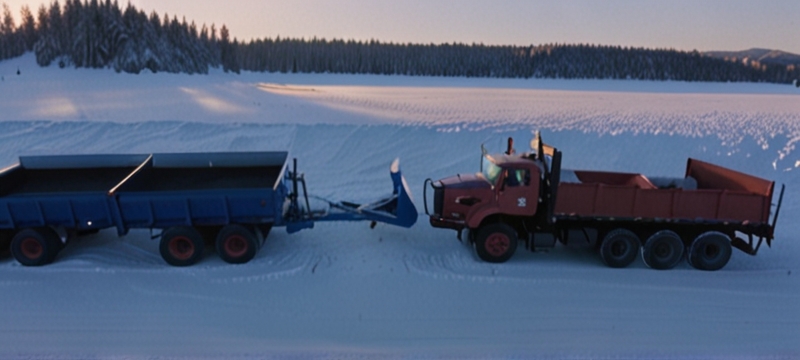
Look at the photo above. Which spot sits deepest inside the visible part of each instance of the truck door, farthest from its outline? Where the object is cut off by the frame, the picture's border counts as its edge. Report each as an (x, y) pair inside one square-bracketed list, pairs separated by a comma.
[(517, 194)]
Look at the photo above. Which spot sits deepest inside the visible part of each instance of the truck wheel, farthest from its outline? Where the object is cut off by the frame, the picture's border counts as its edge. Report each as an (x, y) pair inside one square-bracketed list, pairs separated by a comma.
[(181, 246), (663, 250), (710, 251), (619, 248), (496, 242), (236, 244), (36, 247)]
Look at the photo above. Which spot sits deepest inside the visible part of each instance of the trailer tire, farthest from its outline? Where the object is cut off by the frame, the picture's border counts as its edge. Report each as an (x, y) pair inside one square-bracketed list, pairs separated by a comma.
[(710, 251), (36, 247), (181, 246), (663, 250), (496, 243), (619, 248), (236, 244)]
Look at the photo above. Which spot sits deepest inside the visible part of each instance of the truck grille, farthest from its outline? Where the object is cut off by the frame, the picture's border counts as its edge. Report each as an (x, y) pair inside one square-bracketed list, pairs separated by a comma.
[(438, 200)]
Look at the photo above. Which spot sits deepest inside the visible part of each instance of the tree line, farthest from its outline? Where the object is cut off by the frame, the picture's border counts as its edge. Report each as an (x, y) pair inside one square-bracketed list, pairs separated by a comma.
[(95, 34), (581, 61), (101, 34)]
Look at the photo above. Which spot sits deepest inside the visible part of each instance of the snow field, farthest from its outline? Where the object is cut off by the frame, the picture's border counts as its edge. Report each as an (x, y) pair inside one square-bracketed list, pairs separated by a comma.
[(344, 290)]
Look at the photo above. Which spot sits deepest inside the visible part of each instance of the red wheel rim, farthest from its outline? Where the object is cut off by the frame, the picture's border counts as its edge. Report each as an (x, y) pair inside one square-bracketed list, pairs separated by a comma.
[(181, 247), (31, 248), (497, 244), (235, 245)]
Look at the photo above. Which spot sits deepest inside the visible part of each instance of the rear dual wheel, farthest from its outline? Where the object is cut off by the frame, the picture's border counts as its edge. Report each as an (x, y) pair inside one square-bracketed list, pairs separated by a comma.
[(184, 245), (710, 251), (619, 248), (663, 250), (181, 246), (36, 247), (237, 244)]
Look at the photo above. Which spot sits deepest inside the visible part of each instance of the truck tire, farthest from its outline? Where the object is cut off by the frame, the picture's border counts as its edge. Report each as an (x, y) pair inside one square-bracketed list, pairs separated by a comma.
[(619, 248), (663, 250), (181, 246), (710, 251), (496, 243), (36, 247), (236, 244)]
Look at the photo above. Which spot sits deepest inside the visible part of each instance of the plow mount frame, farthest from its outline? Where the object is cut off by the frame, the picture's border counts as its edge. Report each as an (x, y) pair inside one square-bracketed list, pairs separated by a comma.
[(396, 209)]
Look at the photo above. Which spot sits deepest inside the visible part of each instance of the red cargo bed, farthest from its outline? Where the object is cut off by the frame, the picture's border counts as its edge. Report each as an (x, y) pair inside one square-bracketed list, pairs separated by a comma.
[(721, 195)]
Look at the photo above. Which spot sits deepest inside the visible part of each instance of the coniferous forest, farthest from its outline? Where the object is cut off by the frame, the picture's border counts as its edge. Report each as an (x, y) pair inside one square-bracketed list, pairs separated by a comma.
[(101, 34)]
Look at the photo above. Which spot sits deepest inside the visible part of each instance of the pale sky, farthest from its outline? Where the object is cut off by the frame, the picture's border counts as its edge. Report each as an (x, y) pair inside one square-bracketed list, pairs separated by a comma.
[(681, 24)]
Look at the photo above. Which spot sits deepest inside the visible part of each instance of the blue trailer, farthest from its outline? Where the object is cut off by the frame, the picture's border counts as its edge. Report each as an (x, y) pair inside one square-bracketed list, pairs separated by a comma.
[(231, 200)]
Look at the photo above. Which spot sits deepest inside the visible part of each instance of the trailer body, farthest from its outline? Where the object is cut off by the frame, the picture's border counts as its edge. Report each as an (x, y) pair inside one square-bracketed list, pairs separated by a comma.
[(69, 192), (207, 189), (529, 198), (230, 200)]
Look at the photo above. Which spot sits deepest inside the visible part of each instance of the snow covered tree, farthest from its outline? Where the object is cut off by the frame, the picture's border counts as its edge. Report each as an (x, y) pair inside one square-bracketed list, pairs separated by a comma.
[(12, 43), (228, 51), (28, 28)]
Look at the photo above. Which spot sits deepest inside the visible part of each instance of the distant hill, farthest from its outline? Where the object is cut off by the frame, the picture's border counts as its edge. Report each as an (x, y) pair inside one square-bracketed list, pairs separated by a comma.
[(764, 56)]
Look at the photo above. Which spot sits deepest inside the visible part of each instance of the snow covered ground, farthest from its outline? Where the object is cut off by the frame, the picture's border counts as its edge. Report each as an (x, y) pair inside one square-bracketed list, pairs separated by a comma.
[(343, 290)]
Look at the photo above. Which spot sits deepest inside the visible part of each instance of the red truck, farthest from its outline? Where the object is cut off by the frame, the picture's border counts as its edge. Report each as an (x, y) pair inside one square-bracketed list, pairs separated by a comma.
[(528, 198)]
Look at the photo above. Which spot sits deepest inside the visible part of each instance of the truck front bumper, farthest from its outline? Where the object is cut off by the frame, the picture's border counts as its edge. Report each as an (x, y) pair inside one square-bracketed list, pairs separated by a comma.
[(447, 223)]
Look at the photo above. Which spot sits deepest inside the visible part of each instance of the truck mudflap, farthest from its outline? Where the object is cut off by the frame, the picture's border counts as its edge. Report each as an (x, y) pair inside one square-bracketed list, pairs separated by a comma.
[(396, 209)]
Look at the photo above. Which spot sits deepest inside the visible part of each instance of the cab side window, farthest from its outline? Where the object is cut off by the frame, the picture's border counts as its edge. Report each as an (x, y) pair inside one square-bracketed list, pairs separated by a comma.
[(518, 177)]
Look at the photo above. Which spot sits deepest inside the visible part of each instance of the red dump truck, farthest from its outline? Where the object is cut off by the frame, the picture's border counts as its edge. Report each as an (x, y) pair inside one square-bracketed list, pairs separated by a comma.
[(529, 198)]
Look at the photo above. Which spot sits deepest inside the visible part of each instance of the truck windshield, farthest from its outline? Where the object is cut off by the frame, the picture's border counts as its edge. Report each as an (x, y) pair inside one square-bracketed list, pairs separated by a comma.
[(490, 170)]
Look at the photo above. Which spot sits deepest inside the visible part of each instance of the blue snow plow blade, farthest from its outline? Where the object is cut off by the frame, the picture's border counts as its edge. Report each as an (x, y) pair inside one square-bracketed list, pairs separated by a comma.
[(396, 209)]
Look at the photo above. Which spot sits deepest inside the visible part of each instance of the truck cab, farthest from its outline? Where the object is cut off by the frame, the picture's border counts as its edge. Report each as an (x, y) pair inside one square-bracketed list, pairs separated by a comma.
[(508, 196), (507, 184)]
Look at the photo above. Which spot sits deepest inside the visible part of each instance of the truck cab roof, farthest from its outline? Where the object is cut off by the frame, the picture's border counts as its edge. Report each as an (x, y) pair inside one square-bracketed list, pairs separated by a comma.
[(511, 160)]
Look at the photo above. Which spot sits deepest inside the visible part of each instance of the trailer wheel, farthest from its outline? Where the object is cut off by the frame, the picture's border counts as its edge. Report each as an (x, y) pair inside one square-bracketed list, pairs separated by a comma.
[(236, 244), (496, 242), (36, 247), (663, 250), (619, 248), (710, 251), (181, 246)]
